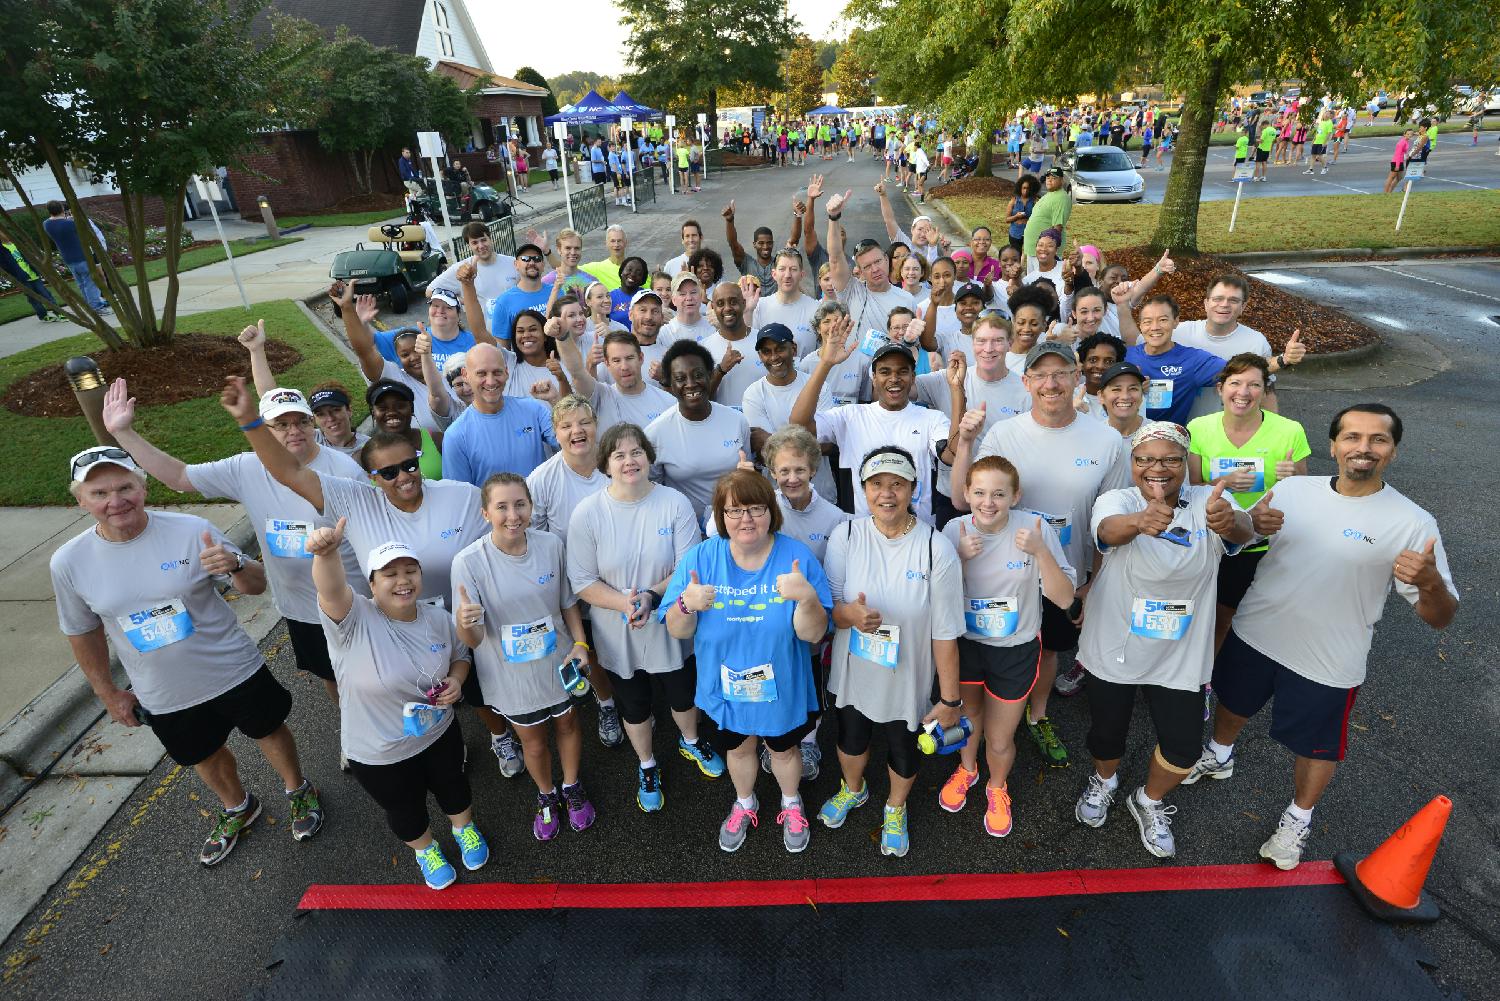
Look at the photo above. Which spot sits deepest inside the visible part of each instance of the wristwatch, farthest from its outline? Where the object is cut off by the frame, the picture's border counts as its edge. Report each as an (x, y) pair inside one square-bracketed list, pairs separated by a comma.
[(955, 704), (239, 563)]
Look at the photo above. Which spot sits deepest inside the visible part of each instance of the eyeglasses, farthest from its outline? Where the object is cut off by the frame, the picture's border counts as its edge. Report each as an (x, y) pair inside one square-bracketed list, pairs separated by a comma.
[(94, 455), (529, 259), (1165, 462), (1055, 377), (754, 511), (1225, 300), (390, 472)]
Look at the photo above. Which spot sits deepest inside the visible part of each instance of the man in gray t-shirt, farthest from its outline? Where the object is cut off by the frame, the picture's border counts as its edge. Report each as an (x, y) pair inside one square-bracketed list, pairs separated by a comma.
[(145, 583)]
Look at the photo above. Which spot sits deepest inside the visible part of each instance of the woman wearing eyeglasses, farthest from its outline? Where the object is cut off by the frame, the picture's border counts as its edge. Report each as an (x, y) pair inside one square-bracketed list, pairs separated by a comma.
[(1150, 628), (753, 601)]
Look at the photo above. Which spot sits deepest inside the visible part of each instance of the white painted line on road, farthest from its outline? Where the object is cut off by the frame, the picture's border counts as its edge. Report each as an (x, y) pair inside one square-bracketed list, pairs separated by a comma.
[(1279, 278), (1357, 191), (1481, 187), (1434, 281), (1389, 321)]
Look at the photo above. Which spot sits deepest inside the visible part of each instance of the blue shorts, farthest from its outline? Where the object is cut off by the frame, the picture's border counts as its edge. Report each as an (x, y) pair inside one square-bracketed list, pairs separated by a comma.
[(1307, 718)]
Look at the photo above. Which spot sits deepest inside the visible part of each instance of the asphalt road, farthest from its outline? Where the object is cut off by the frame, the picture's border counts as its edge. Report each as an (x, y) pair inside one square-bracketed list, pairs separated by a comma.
[(138, 918)]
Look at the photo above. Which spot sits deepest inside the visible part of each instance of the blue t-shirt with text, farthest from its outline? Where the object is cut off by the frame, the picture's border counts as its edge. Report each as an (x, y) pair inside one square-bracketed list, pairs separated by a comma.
[(1176, 377), (513, 441)]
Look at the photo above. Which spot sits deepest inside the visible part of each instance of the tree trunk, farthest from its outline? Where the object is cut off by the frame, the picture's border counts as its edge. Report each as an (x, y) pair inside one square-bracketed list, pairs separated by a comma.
[(174, 226), (986, 150), (1177, 223), (713, 119)]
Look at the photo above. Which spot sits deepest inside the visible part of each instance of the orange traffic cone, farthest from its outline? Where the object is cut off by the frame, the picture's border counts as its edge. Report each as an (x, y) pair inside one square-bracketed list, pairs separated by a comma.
[(1389, 882)]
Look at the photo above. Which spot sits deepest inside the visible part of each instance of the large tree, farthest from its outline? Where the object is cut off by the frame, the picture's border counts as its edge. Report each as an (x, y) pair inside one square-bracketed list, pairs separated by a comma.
[(852, 76), (528, 75), (801, 78), (683, 52), (569, 87), (143, 94)]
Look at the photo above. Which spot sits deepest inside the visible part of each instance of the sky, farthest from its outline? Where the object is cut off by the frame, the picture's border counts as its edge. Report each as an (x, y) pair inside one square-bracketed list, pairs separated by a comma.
[(594, 39)]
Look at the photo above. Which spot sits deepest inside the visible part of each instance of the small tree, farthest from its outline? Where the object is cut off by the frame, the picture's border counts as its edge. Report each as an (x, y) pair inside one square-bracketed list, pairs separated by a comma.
[(142, 94), (802, 78), (528, 75), (851, 77)]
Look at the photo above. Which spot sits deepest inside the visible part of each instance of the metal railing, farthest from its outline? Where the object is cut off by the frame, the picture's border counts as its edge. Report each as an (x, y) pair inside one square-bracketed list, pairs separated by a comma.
[(645, 186), (502, 237), (589, 212)]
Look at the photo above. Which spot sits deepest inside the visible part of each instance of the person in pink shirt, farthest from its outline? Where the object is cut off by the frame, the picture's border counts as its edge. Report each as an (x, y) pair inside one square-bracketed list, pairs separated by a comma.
[(986, 267), (1398, 161)]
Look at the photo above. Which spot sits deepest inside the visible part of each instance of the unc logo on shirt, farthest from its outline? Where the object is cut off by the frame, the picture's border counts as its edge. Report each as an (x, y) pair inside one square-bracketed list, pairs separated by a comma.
[(449, 533), (1017, 564), (915, 575), (174, 564), (1083, 462), (730, 443), (1354, 533), (523, 432), (816, 536), (664, 530), (1171, 371), (435, 647), (544, 578)]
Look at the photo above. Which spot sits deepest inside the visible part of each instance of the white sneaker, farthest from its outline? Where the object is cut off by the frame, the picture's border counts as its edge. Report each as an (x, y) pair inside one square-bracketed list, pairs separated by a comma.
[(1209, 766), (1155, 824), (1070, 682), (1093, 806), (1284, 847)]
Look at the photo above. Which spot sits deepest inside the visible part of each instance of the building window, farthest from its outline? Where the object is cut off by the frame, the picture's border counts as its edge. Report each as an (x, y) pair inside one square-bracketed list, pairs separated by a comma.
[(444, 27)]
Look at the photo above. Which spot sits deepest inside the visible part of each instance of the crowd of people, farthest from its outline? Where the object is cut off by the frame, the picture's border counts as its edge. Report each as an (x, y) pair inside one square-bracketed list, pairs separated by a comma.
[(892, 492)]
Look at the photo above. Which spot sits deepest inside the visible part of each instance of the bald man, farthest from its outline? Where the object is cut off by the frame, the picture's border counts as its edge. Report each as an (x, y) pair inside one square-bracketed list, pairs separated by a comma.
[(496, 434)]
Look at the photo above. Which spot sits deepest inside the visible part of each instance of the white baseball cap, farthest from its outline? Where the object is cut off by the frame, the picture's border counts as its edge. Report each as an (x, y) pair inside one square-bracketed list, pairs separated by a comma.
[(387, 553), (110, 455), (888, 462), (283, 401)]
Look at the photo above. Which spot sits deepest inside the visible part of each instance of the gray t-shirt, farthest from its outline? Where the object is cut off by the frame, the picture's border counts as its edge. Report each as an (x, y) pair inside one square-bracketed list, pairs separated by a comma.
[(611, 406), (769, 408), (350, 449), (175, 635), (448, 520), (916, 584), (870, 310), (381, 665), (631, 544), (692, 455), (556, 492), (749, 369), (525, 637), (859, 428), (1002, 399), (849, 382), (750, 265), (1003, 584), (797, 315), (284, 520)]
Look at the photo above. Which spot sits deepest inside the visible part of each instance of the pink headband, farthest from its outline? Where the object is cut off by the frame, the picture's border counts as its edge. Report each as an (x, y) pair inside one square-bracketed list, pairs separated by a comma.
[(1092, 251)]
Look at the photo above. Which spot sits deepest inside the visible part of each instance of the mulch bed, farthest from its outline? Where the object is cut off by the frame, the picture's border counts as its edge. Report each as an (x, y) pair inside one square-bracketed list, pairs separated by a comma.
[(1272, 310), (192, 366), (980, 187), (375, 202)]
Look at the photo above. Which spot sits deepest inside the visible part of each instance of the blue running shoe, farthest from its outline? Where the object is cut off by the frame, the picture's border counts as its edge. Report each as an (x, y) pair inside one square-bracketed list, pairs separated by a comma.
[(893, 836), (648, 795), (435, 868), (473, 847), (834, 812), (700, 753)]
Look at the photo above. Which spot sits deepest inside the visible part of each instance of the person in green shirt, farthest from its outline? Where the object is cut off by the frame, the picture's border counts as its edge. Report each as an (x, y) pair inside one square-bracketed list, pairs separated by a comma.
[(1321, 131), (1250, 448), (1052, 209), (1263, 150), (683, 153), (1241, 149)]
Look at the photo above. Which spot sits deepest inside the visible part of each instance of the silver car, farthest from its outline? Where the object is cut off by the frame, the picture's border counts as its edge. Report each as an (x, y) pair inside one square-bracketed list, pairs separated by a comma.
[(1102, 174)]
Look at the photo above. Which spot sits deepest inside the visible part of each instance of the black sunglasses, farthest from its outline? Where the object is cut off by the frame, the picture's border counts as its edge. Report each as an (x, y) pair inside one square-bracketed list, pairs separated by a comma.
[(396, 469), (98, 455), (529, 258)]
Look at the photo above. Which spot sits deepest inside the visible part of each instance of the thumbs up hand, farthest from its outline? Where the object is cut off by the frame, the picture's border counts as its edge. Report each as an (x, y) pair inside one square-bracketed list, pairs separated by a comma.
[(1220, 513), (697, 596), (1419, 569), (1157, 517), (216, 558), (1286, 467), (732, 357), (866, 619), (326, 540), (793, 586), (1295, 350), (970, 544), (469, 613), (744, 462), (1266, 519), (1029, 538), (972, 423)]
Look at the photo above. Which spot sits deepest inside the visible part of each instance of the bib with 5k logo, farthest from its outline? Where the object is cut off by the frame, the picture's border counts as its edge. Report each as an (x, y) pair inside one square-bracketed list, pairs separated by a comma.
[(288, 539), (882, 647), (1161, 619), (992, 617), (158, 626), (527, 641)]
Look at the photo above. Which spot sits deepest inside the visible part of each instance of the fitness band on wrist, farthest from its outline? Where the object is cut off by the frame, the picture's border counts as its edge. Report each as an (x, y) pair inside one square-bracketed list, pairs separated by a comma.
[(252, 425), (682, 606)]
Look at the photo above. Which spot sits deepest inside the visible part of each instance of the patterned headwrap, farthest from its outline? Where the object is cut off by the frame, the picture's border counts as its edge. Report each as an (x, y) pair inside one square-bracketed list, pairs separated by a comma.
[(1160, 431)]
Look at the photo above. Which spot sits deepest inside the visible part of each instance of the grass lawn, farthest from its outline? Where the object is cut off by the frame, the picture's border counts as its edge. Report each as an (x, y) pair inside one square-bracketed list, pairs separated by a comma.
[(1433, 219), (193, 430), (13, 307)]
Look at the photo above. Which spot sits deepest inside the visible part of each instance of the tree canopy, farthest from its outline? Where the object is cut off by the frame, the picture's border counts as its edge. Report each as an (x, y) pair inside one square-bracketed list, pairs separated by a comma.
[(528, 75), (851, 77), (569, 87), (801, 78)]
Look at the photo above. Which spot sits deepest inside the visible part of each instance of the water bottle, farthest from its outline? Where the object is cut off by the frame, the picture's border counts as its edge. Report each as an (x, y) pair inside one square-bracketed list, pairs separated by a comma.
[(574, 681), (935, 740)]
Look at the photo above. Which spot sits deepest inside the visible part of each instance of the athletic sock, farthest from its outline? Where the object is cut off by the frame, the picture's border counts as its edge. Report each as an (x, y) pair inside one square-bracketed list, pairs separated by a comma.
[(608, 703), (787, 801), (1222, 752), (746, 802), (244, 805), (649, 762), (1144, 800), (1304, 817), (1112, 783)]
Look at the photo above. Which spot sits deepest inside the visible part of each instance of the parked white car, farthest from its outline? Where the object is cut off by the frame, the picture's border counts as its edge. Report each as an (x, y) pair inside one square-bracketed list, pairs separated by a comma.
[(1103, 174)]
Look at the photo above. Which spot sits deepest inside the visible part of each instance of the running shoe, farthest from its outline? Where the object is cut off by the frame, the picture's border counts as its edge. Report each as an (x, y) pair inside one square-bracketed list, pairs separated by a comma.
[(648, 794), (955, 792), (307, 812), (1309, 170), (1154, 823), (611, 732), (795, 830), (1047, 741), (1093, 806), (1070, 682), (835, 811), (732, 832), (227, 830), (1284, 847), (472, 846), (702, 754), (436, 870), (548, 819), (1208, 766), (508, 752), (893, 837), (997, 818), (580, 810), (812, 760)]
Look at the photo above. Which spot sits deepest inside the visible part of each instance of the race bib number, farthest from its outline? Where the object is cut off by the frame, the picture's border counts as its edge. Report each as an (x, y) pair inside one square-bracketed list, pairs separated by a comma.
[(882, 647), (1159, 619), (872, 342), (753, 684), (288, 539), (419, 718), (1159, 394), (1229, 465), (527, 641), (1062, 526), (993, 617), (158, 626)]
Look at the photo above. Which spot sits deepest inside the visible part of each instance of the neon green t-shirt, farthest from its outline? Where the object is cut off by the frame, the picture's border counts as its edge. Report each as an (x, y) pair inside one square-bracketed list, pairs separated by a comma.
[(1325, 129), (682, 158), (1276, 436), (1432, 134), (1267, 138), (1242, 148)]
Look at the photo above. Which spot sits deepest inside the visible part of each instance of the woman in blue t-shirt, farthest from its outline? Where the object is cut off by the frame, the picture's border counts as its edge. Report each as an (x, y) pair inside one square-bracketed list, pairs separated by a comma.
[(753, 602)]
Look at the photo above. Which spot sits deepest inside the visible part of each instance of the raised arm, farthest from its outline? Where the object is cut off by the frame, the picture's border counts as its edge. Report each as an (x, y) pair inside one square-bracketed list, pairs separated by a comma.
[(838, 264), (838, 345), (736, 252), (571, 355), (1124, 298), (357, 313), (119, 420), (335, 596), (1147, 282), (479, 324), (437, 395), (809, 222), (254, 340), (281, 464), (887, 214)]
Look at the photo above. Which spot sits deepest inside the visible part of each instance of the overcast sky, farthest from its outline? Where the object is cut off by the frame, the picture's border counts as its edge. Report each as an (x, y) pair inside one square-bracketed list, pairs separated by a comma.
[(593, 38)]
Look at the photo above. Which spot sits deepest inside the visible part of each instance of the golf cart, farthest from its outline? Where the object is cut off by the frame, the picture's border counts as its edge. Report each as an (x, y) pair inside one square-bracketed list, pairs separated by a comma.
[(403, 264), (483, 201)]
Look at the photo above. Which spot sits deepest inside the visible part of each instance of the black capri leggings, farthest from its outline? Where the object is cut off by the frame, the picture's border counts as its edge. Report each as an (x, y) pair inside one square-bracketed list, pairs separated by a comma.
[(633, 694), (1177, 716), (856, 729), (401, 789)]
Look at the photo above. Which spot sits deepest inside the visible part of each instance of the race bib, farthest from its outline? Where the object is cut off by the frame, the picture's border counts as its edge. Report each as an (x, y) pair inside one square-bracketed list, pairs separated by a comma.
[(872, 342), (527, 641), (753, 684), (1232, 464), (1061, 525), (882, 647), (992, 617), (419, 718), (288, 539), (1159, 394), (158, 626), (1159, 619)]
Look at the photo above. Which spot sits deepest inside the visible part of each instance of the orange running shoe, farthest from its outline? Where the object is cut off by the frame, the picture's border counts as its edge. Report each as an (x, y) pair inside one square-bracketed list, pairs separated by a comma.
[(997, 819), (955, 792)]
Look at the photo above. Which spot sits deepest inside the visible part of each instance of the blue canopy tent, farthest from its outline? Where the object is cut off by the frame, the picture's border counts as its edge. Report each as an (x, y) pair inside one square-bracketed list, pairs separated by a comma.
[(630, 106), (591, 109), (827, 109)]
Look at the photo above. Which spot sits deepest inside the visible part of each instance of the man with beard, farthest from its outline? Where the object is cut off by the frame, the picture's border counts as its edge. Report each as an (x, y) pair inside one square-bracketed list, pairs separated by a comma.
[(1302, 634), (497, 434), (530, 291), (733, 372)]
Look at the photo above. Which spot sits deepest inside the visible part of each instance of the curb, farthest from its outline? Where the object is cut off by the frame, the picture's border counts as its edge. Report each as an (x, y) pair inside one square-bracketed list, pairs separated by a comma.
[(1275, 257), (937, 206)]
